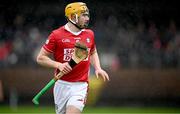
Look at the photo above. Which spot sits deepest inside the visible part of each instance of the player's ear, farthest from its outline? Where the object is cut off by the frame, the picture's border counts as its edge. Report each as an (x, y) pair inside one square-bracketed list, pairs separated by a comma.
[(73, 17)]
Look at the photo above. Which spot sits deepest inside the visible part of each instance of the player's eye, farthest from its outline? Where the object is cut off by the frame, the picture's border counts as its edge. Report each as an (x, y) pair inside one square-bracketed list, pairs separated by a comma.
[(85, 14)]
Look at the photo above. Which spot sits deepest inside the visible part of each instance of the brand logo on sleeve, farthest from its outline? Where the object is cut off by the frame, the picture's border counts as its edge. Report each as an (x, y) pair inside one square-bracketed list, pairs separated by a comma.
[(65, 40)]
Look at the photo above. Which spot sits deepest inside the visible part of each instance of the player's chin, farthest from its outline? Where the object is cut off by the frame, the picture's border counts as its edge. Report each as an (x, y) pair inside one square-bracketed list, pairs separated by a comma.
[(85, 25)]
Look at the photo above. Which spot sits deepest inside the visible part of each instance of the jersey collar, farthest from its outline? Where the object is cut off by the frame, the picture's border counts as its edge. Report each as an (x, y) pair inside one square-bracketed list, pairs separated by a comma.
[(74, 33)]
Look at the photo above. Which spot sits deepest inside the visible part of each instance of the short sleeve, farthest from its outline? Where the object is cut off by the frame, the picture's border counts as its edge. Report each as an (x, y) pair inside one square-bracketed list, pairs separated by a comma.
[(93, 47), (50, 43)]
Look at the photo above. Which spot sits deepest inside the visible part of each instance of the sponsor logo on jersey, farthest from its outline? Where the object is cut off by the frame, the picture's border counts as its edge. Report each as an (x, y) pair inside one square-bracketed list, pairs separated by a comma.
[(68, 54)]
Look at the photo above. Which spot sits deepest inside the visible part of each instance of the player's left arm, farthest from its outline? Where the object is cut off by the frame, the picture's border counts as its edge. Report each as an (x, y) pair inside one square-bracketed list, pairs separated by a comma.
[(94, 58)]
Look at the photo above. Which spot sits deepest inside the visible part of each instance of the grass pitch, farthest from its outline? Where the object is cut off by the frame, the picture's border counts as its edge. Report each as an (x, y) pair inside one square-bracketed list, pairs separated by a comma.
[(91, 110)]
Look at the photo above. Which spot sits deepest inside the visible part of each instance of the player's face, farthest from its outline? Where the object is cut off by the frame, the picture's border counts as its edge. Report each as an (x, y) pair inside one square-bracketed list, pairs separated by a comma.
[(84, 20)]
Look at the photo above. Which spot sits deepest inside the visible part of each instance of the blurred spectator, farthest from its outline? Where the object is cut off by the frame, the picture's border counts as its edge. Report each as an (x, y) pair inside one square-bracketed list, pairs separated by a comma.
[(145, 44), (5, 49)]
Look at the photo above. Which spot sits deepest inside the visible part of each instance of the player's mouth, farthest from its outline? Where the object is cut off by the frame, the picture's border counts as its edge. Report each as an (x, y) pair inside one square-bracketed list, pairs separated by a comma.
[(86, 24)]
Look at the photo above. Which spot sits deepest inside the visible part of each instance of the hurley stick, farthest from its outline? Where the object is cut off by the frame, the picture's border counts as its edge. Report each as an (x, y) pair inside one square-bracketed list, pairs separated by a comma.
[(80, 53)]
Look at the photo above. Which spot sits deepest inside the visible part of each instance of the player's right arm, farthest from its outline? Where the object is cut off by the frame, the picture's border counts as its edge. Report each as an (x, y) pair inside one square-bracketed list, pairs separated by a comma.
[(44, 59)]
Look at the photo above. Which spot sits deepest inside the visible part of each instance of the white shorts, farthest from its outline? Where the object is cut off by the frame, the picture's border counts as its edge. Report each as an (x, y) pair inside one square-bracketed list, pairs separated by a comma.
[(69, 93)]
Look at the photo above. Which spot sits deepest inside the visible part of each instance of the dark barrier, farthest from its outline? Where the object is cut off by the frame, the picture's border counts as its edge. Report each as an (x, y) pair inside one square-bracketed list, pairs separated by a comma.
[(131, 87), (143, 87), (24, 83)]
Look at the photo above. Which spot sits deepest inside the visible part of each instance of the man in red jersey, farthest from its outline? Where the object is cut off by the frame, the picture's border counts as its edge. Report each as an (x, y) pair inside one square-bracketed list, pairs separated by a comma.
[(70, 90)]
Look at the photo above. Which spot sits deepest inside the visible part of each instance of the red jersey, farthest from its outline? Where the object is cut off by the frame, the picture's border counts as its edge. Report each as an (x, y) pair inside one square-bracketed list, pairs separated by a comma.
[(61, 43)]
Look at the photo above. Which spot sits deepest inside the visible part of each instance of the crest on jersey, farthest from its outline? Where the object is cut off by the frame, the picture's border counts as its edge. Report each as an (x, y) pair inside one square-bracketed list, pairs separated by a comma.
[(88, 40)]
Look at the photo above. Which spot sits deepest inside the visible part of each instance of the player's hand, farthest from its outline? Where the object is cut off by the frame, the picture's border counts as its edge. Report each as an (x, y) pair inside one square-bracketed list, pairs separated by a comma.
[(64, 68), (102, 73)]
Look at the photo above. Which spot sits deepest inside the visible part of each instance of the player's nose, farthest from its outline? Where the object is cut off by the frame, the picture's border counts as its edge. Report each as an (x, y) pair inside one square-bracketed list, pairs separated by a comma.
[(86, 18)]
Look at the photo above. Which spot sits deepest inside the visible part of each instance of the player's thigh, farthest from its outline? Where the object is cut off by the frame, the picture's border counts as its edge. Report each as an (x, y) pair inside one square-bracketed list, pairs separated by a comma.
[(78, 97), (75, 103), (61, 96), (72, 110)]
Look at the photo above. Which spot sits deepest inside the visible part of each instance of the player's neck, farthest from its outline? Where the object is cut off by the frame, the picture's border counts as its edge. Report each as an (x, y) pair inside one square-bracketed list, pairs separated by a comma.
[(72, 27)]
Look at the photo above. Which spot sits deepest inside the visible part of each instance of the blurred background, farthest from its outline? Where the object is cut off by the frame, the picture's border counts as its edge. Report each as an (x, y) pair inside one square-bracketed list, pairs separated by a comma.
[(138, 42)]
